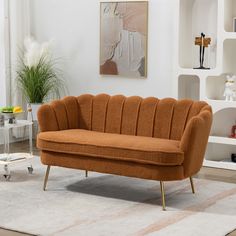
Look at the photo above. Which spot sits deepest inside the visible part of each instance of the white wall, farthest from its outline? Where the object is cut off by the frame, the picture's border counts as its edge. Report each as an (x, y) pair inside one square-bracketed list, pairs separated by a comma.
[(74, 26), (3, 96), (19, 28)]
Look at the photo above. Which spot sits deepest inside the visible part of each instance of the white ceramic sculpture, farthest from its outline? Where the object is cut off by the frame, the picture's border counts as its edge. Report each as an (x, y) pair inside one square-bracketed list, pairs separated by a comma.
[(229, 92)]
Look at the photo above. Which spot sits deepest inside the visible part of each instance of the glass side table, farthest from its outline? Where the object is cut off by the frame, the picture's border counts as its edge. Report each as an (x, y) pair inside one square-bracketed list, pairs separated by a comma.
[(7, 158)]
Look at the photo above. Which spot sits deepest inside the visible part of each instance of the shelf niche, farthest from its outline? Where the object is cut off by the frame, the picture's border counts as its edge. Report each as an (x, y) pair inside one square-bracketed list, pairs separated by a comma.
[(215, 86), (191, 25), (189, 87), (230, 13), (220, 152), (223, 121), (229, 57)]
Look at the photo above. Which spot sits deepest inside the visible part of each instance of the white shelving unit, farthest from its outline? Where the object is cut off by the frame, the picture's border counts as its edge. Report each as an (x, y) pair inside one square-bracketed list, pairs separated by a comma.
[(215, 19)]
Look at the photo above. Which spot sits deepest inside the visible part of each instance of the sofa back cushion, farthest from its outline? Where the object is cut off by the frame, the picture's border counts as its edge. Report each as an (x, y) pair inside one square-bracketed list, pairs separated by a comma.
[(151, 117)]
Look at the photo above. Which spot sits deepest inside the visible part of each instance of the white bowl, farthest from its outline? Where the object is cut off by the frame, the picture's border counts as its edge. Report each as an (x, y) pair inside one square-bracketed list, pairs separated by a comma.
[(11, 115)]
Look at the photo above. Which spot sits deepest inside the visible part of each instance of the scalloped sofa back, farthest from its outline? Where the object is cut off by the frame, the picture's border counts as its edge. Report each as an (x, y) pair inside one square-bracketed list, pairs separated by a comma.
[(150, 138)]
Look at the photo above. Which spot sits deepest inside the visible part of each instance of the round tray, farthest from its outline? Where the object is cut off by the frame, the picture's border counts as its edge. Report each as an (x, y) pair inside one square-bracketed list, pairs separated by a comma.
[(10, 115)]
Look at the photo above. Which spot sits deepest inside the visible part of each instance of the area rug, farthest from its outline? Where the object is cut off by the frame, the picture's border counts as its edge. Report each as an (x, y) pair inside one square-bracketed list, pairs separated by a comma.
[(105, 205)]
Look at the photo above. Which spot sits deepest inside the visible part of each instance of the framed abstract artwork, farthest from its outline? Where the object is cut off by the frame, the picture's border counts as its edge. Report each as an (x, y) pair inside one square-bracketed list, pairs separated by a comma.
[(123, 38)]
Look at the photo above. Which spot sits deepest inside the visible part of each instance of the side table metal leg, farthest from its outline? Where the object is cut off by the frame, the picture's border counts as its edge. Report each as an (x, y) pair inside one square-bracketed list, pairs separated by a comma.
[(30, 167), (6, 143), (31, 139)]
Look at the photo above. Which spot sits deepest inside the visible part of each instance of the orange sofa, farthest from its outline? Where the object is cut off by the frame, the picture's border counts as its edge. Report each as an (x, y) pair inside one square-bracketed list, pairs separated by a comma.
[(146, 138)]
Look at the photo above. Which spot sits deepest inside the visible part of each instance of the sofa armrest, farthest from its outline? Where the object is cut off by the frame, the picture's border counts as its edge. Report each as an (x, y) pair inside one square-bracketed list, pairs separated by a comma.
[(194, 141), (47, 119)]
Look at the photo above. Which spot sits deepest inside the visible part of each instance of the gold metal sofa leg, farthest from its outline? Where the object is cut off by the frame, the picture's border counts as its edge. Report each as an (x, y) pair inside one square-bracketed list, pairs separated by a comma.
[(163, 195), (86, 174), (192, 185), (46, 178)]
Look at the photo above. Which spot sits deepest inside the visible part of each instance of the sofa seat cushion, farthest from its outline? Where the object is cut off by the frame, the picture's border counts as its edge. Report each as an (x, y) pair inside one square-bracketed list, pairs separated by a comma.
[(112, 146)]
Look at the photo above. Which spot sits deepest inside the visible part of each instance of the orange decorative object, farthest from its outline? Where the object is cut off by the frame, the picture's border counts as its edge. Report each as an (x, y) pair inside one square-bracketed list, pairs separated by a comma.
[(200, 41)]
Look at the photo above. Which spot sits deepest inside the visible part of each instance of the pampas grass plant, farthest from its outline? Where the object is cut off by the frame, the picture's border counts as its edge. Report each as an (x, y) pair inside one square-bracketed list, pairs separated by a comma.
[(38, 76)]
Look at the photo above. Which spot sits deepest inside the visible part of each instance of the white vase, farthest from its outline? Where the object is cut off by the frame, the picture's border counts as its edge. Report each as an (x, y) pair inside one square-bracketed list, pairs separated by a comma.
[(35, 107), (34, 110)]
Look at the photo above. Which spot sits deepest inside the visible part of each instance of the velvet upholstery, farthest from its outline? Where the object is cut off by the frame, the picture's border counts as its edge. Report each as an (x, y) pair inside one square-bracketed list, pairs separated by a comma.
[(139, 132)]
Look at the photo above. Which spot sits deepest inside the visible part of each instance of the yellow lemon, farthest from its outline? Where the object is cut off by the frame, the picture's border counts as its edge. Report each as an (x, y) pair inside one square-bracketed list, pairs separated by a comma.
[(17, 109)]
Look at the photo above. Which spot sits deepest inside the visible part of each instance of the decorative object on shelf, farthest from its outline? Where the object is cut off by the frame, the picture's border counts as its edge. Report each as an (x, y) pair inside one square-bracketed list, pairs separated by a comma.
[(123, 38), (203, 43), (38, 75), (233, 157), (229, 92), (234, 24), (233, 132)]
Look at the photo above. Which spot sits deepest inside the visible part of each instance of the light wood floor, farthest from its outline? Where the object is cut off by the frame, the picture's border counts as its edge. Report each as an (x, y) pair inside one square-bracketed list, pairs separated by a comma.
[(205, 173)]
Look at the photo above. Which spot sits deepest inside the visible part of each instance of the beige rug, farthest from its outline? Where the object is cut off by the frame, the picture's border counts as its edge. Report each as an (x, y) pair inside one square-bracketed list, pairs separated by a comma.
[(105, 205)]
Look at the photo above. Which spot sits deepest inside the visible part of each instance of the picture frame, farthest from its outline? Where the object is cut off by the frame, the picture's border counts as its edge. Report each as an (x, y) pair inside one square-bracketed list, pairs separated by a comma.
[(123, 38)]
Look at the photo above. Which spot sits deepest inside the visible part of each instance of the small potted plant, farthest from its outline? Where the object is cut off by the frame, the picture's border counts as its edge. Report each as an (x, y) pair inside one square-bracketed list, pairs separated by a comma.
[(38, 76)]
